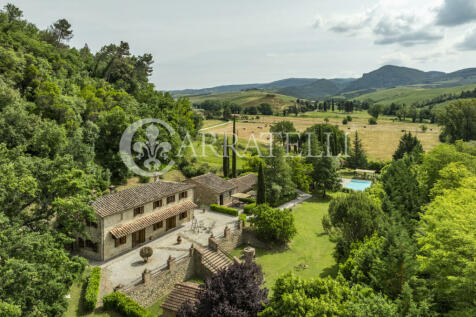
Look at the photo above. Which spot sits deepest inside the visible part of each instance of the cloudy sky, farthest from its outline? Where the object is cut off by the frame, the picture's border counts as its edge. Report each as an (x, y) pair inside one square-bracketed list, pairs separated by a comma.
[(205, 43)]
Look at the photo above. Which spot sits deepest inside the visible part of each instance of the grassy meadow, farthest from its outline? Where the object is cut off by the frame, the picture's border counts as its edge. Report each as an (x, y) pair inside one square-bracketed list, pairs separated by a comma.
[(310, 252), (380, 140)]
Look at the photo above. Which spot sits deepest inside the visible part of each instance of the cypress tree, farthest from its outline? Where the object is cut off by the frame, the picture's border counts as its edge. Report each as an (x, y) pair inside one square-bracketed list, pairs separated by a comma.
[(233, 158), (261, 194), (226, 158)]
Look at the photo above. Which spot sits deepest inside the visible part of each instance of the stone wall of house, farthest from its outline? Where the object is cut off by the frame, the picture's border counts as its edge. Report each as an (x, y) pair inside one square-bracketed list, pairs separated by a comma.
[(203, 195)]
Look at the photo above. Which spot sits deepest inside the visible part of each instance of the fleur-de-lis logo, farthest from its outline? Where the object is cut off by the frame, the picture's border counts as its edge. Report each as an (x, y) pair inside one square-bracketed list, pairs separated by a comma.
[(154, 152), (152, 147)]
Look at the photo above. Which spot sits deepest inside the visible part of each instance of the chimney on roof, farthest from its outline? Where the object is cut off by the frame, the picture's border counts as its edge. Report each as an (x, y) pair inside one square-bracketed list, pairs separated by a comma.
[(112, 189)]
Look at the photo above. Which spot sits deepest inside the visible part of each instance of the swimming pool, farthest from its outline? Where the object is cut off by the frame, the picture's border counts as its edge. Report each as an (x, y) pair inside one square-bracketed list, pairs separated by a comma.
[(358, 185)]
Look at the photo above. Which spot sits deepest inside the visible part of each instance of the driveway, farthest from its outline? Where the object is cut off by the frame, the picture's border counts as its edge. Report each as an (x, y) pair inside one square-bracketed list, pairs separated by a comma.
[(301, 197)]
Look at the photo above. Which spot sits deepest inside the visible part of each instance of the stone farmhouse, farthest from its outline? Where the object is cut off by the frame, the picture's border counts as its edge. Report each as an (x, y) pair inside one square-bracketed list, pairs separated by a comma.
[(130, 217), (212, 189)]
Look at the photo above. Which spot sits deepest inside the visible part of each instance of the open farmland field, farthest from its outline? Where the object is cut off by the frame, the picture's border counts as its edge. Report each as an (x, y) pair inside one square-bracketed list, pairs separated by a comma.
[(249, 98), (409, 95), (380, 141)]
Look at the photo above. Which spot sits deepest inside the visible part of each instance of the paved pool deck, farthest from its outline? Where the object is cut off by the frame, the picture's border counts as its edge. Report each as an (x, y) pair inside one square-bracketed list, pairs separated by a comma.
[(345, 181)]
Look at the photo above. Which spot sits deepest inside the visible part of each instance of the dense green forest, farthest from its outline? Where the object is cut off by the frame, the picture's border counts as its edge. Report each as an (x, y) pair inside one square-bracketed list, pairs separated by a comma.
[(62, 113)]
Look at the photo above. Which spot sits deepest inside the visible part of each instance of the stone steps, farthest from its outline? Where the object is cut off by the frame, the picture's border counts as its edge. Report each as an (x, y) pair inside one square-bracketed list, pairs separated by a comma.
[(215, 261)]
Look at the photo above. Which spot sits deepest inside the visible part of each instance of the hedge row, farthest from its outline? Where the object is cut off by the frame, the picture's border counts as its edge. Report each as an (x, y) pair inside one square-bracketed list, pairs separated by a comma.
[(242, 217), (224, 209), (92, 290), (124, 305), (248, 209), (248, 200)]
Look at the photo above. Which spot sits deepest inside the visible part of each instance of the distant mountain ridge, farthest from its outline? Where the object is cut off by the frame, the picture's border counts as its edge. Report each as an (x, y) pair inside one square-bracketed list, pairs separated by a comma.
[(392, 76), (283, 83), (385, 77)]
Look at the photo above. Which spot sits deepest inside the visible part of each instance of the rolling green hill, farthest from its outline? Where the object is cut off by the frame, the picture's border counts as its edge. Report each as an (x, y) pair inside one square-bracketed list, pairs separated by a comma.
[(410, 94), (317, 89), (250, 98)]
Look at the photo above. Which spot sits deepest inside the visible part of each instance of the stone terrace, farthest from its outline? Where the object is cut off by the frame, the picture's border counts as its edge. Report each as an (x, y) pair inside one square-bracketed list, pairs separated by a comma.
[(127, 269)]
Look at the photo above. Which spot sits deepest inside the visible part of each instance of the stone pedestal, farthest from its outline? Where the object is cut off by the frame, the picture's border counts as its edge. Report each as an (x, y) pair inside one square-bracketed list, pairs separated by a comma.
[(212, 243), (170, 262), (249, 254), (146, 276)]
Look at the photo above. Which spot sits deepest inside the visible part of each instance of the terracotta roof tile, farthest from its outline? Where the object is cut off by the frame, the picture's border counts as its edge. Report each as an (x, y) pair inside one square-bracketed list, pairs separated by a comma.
[(144, 222), (213, 182), (136, 196), (181, 293)]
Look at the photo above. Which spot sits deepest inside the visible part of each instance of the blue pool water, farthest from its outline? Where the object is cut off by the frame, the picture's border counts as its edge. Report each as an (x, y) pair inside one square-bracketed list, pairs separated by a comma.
[(358, 185)]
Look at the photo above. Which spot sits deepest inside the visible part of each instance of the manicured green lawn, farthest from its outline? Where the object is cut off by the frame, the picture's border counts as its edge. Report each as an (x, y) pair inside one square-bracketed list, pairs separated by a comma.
[(75, 307), (309, 254)]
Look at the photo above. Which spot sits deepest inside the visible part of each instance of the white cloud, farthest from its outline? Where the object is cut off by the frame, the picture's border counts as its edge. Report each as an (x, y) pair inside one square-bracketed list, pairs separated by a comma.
[(469, 41), (456, 12), (392, 22), (352, 23)]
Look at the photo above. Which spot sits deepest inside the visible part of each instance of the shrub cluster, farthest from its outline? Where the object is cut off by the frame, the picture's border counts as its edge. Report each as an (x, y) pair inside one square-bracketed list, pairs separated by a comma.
[(248, 209), (190, 170), (376, 165), (248, 200), (92, 289), (224, 209), (272, 224), (124, 305)]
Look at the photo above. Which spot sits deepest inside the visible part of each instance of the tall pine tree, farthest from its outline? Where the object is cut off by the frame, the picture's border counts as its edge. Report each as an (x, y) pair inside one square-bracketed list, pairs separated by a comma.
[(261, 194), (357, 158), (408, 144)]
